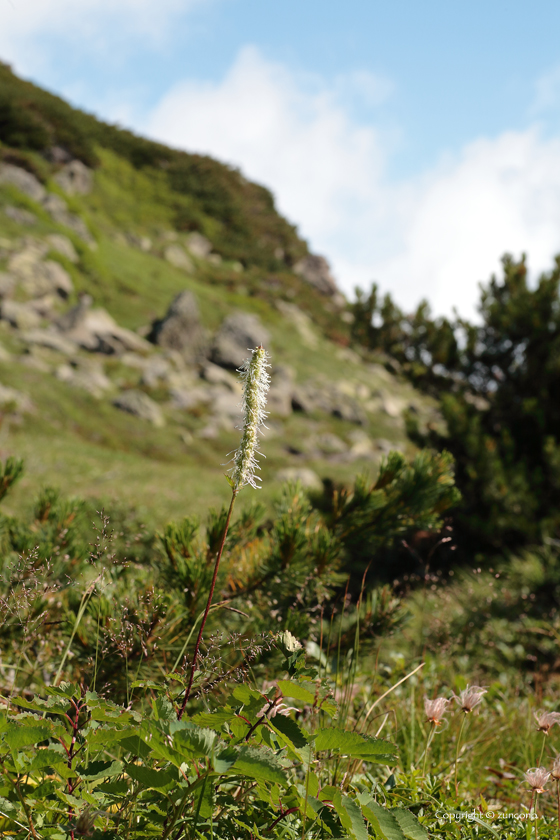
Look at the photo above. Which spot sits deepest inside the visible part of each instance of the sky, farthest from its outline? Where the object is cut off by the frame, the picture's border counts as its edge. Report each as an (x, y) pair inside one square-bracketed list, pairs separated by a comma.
[(411, 143)]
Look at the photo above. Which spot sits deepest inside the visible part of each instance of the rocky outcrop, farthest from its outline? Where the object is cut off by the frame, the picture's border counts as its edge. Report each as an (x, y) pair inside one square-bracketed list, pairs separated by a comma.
[(239, 333), (62, 245), (178, 257), (141, 405), (20, 315), (36, 276), (316, 271), (180, 329), (89, 377), (75, 178), (19, 215), (22, 180), (97, 331), (198, 245), (57, 208)]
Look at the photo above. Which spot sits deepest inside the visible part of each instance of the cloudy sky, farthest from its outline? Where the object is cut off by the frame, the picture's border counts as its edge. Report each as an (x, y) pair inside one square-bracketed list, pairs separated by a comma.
[(411, 142)]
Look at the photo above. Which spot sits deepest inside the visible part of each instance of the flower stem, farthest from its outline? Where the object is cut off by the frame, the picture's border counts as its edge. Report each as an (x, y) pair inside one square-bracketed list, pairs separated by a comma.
[(457, 756), (430, 737), (558, 803), (208, 605), (542, 749)]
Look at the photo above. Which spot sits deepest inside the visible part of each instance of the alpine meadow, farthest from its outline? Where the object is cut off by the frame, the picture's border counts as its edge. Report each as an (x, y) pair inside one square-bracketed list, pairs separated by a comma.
[(273, 564)]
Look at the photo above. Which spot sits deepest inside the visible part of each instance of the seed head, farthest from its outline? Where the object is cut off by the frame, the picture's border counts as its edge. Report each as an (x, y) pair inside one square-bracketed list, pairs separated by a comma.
[(470, 697), (435, 709), (555, 772), (546, 720), (256, 382), (537, 778)]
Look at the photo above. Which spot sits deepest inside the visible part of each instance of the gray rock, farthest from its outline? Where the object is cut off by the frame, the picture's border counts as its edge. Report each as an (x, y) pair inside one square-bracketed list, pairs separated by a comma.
[(180, 329), (144, 243), (7, 284), (316, 271), (301, 322), (19, 315), (187, 398), (280, 394), (39, 277), (90, 378), (24, 181), (238, 335), (330, 444), (156, 370), (59, 242), (216, 375), (139, 404), (10, 398), (198, 245), (75, 178), (175, 255), (225, 406), (97, 331), (19, 215), (57, 208), (52, 340), (306, 477)]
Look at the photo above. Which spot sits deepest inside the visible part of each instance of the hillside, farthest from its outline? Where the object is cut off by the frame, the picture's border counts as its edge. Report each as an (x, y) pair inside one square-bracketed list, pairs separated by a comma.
[(132, 279)]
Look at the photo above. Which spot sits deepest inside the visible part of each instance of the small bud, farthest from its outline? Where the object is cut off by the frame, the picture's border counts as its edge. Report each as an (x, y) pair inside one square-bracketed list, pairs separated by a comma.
[(256, 382)]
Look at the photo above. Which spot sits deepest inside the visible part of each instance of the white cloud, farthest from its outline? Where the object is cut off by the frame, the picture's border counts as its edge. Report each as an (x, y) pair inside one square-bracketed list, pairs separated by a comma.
[(436, 236), (105, 28)]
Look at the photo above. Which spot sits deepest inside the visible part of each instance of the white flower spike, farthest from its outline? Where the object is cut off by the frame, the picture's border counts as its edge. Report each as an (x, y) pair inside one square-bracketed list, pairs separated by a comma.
[(256, 382)]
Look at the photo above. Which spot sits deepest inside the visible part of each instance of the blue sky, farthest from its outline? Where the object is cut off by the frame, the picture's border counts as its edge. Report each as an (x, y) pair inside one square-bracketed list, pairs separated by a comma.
[(411, 142)]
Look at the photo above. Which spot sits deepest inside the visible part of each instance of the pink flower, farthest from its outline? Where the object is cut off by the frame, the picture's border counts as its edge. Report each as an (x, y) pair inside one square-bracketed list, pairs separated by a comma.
[(470, 697), (435, 709), (546, 720), (555, 772), (537, 778)]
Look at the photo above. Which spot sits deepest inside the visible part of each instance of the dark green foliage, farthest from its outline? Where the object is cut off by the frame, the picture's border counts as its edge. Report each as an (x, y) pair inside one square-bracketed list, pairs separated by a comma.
[(10, 471), (498, 382), (238, 216)]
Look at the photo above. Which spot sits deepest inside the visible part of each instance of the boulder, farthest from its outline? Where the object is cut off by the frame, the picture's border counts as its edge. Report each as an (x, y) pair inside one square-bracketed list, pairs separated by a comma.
[(216, 375), (7, 284), (239, 334), (97, 331), (180, 329), (19, 215), (90, 378), (50, 339), (38, 277), (198, 245), (10, 399), (306, 477), (75, 178), (19, 315), (24, 181), (281, 389), (301, 322), (141, 405), (316, 271), (60, 243), (57, 208), (179, 258)]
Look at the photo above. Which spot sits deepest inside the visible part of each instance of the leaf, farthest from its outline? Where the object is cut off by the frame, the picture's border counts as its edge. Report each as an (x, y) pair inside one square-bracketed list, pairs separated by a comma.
[(213, 720), (354, 745), (206, 800), (148, 777), (298, 691), (193, 740), (289, 730), (100, 770), (47, 758), (19, 735), (409, 824), (224, 760), (350, 816), (383, 821), (260, 764)]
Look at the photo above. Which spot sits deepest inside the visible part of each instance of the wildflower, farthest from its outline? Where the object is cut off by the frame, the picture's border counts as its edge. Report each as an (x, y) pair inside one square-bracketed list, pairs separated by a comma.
[(537, 778), (256, 382), (470, 697), (435, 709), (555, 772), (278, 708), (546, 720)]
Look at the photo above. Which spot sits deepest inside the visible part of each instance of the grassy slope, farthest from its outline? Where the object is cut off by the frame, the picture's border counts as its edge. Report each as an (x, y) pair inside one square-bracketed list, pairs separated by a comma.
[(88, 447)]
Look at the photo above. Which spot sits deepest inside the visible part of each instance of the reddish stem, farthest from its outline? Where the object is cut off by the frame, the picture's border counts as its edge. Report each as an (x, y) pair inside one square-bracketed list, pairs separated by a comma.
[(207, 610)]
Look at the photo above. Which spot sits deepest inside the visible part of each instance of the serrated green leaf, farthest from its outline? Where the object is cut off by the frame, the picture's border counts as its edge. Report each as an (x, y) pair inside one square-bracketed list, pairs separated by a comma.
[(385, 823), (18, 735), (354, 745), (289, 730), (260, 764), (350, 816), (53, 705), (298, 691), (213, 720), (409, 824), (206, 800), (47, 758), (100, 770), (224, 760), (149, 777), (193, 741), (244, 694)]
